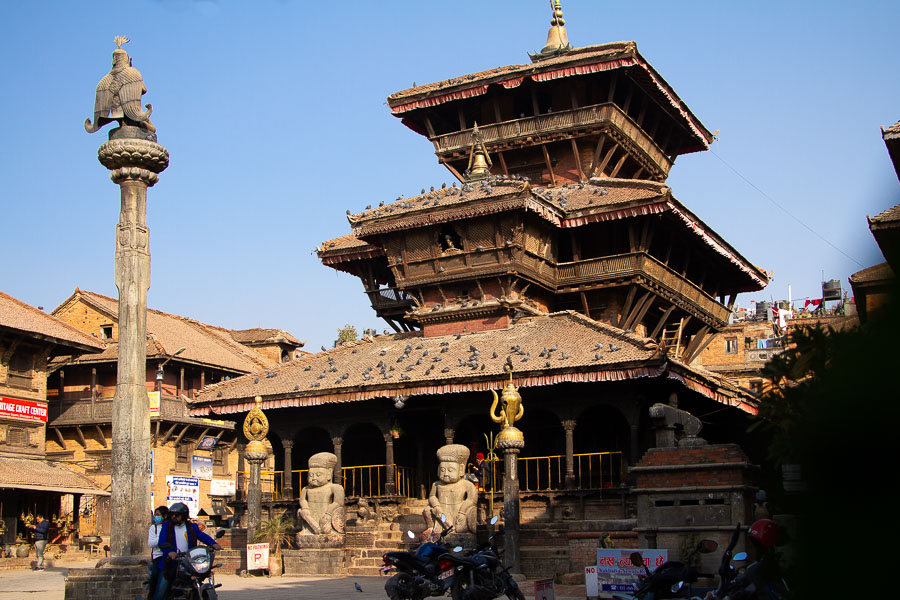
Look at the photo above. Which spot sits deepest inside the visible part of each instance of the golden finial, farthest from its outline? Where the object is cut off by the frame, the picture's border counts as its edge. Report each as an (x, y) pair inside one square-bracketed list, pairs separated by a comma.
[(479, 161), (256, 425), (121, 39), (557, 38)]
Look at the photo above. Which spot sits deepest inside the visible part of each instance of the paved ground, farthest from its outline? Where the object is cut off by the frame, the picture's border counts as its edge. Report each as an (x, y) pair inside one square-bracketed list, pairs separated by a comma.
[(50, 585)]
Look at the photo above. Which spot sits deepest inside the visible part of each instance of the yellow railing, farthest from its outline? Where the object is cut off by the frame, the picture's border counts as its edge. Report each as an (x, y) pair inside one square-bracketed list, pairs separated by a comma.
[(593, 470), (364, 480), (404, 481)]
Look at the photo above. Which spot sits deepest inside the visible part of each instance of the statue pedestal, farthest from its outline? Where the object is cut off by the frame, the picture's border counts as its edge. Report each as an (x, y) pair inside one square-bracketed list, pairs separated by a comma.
[(113, 578), (466, 540), (317, 555)]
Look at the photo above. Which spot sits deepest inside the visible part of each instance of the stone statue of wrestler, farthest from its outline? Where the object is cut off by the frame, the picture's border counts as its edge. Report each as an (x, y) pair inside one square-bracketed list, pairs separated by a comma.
[(321, 501), (452, 495)]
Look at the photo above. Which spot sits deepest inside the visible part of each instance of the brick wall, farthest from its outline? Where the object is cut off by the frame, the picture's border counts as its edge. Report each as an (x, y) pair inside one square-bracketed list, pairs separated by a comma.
[(672, 467), (469, 326), (87, 319)]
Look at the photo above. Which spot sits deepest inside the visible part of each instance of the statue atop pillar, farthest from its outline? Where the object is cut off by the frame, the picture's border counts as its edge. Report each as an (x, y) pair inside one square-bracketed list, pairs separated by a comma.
[(321, 501), (453, 495), (119, 99)]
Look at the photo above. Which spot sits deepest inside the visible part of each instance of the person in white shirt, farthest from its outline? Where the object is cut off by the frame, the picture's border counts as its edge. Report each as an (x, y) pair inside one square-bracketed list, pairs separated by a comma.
[(159, 517)]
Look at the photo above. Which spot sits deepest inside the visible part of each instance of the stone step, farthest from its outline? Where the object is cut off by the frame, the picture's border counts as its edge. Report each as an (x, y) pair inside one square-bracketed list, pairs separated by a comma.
[(364, 571), (545, 552)]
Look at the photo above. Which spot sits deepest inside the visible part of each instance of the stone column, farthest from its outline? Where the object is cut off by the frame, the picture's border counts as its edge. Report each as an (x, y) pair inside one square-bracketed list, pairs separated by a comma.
[(134, 164), (288, 490), (254, 491), (390, 487), (511, 449), (569, 426), (337, 441)]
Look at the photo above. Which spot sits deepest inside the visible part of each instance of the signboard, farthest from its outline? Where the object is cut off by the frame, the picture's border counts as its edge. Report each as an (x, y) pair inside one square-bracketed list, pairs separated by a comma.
[(221, 487), (183, 489), (23, 409), (543, 590), (591, 589), (615, 573), (201, 467), (208, 442), (257, 556), (154, 403)]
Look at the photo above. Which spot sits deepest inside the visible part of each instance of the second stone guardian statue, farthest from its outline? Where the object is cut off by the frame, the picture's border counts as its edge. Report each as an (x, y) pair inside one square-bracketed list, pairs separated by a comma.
[(321, 501), (453, 495)]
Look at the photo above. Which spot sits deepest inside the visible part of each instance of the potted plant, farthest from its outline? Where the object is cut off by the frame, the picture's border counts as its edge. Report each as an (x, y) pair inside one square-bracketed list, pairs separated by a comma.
[(277, 532)]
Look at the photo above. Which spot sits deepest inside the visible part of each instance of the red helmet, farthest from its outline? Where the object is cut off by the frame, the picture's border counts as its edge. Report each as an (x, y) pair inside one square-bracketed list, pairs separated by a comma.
[(764, 532)]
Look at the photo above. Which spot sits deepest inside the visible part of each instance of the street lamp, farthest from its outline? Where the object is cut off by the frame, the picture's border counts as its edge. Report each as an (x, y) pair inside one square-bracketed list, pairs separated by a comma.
[(159, 369)]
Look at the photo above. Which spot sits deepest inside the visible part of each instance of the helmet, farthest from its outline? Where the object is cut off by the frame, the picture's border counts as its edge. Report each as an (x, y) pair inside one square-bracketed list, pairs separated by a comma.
[(179, 507), (764, 532)]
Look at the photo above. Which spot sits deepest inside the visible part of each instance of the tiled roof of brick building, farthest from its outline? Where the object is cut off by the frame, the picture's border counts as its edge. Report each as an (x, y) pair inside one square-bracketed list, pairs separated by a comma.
[(542, 350), (166, 333), (880, 272), (887, 218), (578, 61), (42, 474), (21, 317), (264, 336)]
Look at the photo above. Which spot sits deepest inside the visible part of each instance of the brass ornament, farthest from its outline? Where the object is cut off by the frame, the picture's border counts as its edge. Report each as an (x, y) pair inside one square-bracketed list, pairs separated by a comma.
[(479, 161), (256, 425), (511, 410)]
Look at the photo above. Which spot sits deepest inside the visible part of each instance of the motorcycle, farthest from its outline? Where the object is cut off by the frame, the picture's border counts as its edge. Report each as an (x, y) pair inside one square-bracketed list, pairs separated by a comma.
[(669, 579), (194, 575), (427, 572), (480, 575), (761, 579)]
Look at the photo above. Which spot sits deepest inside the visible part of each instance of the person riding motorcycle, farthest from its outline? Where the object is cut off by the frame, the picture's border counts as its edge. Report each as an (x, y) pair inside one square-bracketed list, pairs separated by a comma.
[(762, 579), (178, 534)]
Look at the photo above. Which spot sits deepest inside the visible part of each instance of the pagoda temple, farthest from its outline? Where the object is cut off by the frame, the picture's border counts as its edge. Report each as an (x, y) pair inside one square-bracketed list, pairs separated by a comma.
[(560, 255)]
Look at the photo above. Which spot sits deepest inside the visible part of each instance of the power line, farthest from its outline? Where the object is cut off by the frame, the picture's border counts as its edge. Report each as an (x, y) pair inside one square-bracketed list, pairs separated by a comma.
[(783, 209)]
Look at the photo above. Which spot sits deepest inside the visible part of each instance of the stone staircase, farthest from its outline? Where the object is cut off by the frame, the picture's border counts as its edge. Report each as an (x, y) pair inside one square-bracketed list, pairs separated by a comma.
[(367, 541), (544, 548)]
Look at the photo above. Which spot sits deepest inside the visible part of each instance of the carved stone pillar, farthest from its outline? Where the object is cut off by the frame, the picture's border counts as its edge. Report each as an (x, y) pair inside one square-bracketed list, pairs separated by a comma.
[(337, 441), (390, 487), (569, 427), (134, 164), (288, 490), (511, 556), (254, 492)]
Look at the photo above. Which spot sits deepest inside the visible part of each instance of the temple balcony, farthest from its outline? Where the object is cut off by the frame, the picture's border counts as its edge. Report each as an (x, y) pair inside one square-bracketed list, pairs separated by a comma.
[(72, 410), (574, 123)]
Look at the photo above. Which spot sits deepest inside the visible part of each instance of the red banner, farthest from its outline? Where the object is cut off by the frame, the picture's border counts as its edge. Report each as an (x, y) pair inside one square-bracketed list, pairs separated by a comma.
[(23, 409)]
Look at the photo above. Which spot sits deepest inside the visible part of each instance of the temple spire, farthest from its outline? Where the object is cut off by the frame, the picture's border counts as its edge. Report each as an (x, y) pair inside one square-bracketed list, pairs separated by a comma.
[(557, 38)]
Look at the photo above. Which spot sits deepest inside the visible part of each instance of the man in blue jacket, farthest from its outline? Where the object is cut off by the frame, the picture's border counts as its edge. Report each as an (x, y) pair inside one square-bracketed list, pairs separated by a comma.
[(41, 530), (178, 534)]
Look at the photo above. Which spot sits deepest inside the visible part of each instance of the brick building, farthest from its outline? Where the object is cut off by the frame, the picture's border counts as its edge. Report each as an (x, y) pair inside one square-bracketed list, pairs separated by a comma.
[(183, 356), (29, 481)]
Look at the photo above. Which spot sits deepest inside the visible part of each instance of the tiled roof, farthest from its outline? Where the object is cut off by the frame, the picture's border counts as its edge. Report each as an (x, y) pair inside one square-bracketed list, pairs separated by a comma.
[(543, 350), (578, 61), (166, 333), (880, 272), (892, 132), (569, 205), (42, 474), (888, 218), (264, 336), (22, 317)]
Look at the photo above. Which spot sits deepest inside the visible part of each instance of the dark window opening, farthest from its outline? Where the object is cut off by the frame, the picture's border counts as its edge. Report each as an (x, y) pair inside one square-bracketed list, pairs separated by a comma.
[(106, 332), (665, 503), (731, 345), (449, 239)]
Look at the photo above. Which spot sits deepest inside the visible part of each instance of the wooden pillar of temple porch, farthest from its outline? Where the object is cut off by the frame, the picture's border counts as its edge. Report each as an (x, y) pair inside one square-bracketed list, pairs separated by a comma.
[(338, 476), (390, 487), (288, 489), (569, 427)]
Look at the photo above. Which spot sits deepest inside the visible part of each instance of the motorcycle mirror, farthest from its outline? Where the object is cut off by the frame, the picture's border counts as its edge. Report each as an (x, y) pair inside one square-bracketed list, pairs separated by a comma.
[(676, 587), (443, 518), (410, 534), (458, 549), (494, 519), (707, 546), (636, 559), (739, 556), (220, 533)]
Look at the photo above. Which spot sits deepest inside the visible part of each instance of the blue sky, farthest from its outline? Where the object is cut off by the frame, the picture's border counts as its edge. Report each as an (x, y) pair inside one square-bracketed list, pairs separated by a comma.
[(274, 114)]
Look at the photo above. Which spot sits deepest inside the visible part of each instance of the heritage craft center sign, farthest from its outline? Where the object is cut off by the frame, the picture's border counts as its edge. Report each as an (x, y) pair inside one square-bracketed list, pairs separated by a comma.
[(23, 409)]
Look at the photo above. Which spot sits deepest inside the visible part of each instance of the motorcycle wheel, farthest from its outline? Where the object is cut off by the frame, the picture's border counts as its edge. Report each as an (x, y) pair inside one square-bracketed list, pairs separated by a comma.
[(398, 586), (209, 595), (459, 588), (513, 592)]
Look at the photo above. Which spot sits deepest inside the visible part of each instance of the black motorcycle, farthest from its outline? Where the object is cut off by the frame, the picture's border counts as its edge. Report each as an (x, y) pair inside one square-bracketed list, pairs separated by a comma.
[(670, 578), (423, 573), (761, 579), (480, 574), (194, 574)]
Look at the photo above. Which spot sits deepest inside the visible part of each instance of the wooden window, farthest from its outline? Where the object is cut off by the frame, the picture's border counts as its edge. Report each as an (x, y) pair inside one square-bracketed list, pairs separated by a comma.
[(99, 462), (21, 369), (182, 454), (17, 436), (106, 332), (220, 461), (731, 345), (756, 386)]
